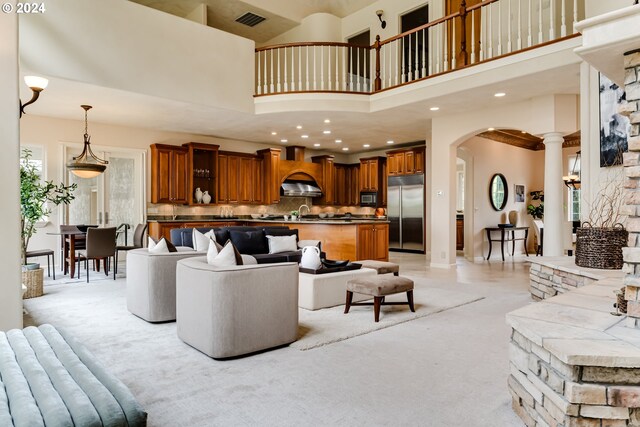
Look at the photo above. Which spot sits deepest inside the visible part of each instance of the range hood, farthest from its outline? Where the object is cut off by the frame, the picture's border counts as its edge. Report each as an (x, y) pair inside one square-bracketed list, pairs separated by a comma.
[(300, 189)]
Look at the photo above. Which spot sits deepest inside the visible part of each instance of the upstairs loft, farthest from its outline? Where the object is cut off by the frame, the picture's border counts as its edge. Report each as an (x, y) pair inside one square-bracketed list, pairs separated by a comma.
[(168, 73)]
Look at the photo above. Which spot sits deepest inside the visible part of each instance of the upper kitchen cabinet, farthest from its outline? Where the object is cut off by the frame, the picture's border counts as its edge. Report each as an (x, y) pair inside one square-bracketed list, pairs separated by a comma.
[(372, 174), (202, 169), (251, 180), (271, 175), (329, 196), (169, 174), (406, 162)]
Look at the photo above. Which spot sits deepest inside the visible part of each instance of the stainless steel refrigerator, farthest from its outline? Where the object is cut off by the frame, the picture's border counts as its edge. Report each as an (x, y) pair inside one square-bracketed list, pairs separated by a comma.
[(405, 212)]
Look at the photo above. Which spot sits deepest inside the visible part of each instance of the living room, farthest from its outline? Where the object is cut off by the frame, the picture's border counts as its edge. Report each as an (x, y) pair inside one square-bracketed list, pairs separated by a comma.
[(60, 134)]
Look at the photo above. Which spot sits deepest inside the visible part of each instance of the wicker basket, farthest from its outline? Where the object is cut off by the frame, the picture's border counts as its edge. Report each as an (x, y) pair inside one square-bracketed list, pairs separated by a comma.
[(33, 280), (598, 247)]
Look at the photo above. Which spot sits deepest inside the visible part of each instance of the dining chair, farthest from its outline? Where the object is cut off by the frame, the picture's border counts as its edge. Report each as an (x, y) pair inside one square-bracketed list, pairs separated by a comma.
[(138, 242), (538, 226), (101, 245), (64, 244)]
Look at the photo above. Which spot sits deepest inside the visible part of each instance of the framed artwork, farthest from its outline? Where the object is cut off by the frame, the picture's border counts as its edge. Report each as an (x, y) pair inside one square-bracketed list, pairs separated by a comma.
[(614, 127), (519, 192)]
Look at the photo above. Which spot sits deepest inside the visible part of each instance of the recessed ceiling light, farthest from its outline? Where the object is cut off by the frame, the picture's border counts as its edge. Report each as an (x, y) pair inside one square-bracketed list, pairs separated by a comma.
[(338, 141), (499, 94), (327, 121), (274, 133), (326, 132), (316, 145), (390, 142), (434, 108), (345, 148), (299, 127), (284, 140), (490, 129), (366, 145), (524, 131), (304, 136)]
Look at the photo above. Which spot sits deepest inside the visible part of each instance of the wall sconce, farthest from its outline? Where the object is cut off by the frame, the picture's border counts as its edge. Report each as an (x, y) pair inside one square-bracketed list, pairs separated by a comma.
[(87, 164), (383, 23), (37, 85)]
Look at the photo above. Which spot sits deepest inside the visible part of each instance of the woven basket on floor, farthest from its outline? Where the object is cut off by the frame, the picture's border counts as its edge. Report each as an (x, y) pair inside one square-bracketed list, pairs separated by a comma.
[(598, 247), (33, 279)]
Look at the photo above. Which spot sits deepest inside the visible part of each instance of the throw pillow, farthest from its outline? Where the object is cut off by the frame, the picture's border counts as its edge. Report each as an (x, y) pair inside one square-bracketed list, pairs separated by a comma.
[(201, 240), (249, 242), (159, 248), (170, 246), (213, 251), (279, 244), (151, 243), (281, 231), (225, 257)]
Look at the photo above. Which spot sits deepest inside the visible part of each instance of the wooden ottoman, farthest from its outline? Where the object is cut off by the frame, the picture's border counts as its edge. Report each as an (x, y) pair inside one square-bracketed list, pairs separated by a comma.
[(381, 267), (378, 287)]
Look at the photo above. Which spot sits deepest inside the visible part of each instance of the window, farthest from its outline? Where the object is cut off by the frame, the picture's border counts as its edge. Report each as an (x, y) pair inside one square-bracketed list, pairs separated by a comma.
[(573, 202), (37, 160)]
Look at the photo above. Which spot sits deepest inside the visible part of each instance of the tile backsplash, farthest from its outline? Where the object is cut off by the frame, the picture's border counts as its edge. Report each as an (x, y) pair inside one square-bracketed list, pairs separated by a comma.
[(286, 205)]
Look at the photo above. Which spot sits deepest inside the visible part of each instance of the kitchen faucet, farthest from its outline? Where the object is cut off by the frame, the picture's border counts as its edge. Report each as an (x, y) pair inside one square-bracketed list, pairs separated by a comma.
[(300, 210)]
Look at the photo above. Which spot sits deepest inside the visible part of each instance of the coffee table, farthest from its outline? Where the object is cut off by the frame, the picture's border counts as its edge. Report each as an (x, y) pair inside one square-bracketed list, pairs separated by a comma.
[(317, 291)]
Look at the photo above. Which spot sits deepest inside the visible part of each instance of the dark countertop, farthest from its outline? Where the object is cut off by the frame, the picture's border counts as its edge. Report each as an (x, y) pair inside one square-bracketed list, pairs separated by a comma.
[(307, 219)]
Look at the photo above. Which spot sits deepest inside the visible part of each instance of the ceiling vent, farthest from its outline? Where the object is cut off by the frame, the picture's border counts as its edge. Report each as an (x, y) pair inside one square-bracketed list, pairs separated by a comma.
[(250, 19)]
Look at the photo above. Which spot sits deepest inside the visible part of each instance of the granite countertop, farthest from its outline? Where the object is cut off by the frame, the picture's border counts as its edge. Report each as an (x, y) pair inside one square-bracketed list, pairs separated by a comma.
[(310, 219), (578, 328)]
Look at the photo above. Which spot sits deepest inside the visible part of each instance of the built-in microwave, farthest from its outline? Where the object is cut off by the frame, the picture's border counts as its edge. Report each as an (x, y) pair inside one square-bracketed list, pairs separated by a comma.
[(369, 199)]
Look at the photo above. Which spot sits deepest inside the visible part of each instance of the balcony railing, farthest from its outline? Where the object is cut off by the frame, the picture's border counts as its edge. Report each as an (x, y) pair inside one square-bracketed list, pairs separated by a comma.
[(475, 34)]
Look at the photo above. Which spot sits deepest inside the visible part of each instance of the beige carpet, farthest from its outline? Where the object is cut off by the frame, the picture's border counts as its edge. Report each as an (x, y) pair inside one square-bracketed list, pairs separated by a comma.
[(330, 325)]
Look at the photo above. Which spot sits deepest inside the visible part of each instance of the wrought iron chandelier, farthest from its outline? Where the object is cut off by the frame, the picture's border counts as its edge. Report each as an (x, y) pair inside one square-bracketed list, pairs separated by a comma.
[(573, 181), (87, 164)]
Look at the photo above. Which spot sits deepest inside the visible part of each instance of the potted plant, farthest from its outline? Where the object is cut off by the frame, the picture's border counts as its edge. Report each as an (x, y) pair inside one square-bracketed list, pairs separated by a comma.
[(294, 215), (537, 210), (34, 197)]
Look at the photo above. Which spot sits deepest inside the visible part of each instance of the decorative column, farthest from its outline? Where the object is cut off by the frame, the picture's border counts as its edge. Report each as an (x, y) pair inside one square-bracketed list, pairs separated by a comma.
[(632, 188), (552, 243)]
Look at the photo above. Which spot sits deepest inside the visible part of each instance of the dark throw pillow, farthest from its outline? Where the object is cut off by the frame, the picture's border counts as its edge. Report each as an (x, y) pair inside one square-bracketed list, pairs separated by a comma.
[(249, 242)]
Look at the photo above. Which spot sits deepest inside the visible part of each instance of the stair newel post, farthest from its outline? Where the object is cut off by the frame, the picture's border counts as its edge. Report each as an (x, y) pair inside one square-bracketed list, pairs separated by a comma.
[(377, 82), (464, 56)]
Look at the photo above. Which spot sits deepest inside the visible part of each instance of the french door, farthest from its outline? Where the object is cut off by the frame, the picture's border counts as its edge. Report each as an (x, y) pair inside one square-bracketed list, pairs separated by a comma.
[(113, 198)]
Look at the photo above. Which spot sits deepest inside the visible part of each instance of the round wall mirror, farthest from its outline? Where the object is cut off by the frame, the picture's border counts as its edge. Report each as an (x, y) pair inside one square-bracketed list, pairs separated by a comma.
[(498, 191)]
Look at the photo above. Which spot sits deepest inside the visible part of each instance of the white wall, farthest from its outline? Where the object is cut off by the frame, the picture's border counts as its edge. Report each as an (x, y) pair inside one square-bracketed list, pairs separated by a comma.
[(524, 167), (598, 7), (157, 54), (10, 292), (313, 28)]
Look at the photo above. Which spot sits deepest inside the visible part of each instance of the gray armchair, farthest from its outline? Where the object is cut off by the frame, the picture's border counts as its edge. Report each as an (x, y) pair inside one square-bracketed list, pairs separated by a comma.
[(236, 310)]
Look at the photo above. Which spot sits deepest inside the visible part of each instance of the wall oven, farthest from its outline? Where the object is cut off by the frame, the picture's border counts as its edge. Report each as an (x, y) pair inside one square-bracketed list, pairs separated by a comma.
[(369, 199)]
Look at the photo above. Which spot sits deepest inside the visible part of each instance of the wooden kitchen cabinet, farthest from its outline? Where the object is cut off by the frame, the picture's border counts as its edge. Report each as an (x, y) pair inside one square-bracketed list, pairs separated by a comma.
[(169, 174), (328, 180), (373, 242), (372, 177), (354, 185), (239, 178), (406, 162), (250, 180), (202, 170), (228, 178), (271, 175)]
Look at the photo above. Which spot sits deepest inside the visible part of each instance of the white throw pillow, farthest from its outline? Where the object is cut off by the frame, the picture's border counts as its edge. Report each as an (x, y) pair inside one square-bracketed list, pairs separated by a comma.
[(200, 240), (224, 258), (279, 244), (159, 248), (151, 243), (213, 251)]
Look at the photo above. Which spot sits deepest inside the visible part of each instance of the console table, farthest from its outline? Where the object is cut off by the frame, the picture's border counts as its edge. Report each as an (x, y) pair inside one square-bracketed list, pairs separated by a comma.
[(507, 234)]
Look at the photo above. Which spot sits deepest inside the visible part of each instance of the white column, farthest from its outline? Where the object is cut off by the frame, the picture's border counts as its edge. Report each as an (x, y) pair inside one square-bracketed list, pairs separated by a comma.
[(10, 292), (552, 243), (443, 209)]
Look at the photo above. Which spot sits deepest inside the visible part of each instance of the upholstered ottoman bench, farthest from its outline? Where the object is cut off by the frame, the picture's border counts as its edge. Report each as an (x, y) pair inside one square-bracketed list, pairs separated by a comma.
[(327, 290), (381, 267), (49, 378), (379, 287)]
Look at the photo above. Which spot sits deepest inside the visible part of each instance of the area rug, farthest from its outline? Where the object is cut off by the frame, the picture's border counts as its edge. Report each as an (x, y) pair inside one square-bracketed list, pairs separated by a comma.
[(321, 327)]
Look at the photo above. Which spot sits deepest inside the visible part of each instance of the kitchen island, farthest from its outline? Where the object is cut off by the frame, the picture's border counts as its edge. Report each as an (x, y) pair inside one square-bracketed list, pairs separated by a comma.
[(355, 238)]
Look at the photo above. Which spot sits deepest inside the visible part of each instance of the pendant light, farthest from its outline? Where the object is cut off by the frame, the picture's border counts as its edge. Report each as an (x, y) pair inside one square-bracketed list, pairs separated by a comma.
[(573, 181), (87, 164)]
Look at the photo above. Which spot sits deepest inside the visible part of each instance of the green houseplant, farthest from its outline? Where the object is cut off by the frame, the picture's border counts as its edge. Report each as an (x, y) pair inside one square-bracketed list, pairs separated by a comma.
[(536, 210), (34, 196)]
